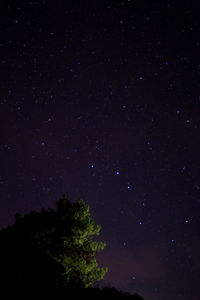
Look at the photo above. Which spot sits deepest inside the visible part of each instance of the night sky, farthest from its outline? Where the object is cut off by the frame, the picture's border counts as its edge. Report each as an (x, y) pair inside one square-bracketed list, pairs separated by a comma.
[(100, 100)]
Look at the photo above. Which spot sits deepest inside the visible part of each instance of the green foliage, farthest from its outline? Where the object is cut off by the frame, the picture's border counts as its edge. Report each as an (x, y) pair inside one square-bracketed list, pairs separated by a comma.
[(76, 228), (66, 236)]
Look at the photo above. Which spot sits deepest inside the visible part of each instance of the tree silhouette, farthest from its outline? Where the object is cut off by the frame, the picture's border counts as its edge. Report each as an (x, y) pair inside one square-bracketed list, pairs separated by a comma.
[(51, 248)]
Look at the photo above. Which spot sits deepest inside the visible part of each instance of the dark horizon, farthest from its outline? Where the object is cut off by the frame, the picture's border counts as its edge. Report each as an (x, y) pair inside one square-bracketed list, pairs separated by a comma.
[(100, 100)]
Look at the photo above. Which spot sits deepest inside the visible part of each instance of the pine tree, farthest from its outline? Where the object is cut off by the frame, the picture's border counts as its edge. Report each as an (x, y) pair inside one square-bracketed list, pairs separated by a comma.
[(57, 241), (69, 240)]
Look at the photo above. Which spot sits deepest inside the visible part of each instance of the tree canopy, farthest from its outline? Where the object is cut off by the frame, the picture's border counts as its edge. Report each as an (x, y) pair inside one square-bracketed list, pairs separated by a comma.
[(52, 248)]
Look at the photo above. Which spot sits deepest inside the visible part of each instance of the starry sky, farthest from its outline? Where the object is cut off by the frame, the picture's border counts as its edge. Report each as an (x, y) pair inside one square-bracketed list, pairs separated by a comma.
[(100, 100)]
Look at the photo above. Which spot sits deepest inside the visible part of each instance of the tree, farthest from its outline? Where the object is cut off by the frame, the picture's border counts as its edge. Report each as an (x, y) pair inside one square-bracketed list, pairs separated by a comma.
[(53, 247)]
